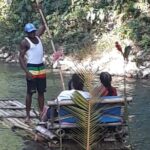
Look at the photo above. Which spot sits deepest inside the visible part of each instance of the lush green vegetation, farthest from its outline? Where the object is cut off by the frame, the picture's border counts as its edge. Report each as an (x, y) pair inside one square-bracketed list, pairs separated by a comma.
[(77, 24)]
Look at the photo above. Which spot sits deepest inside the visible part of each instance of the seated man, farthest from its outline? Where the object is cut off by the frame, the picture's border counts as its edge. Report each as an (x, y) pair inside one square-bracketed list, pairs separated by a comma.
[(75, 84)]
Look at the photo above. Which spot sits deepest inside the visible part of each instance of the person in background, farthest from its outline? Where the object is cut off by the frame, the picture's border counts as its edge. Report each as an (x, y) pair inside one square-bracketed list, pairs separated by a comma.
[(105, 89), (31, 61)]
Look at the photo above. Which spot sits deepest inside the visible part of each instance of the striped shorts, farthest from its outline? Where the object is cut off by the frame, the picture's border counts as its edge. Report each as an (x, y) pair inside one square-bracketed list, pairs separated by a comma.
[(38, 81)]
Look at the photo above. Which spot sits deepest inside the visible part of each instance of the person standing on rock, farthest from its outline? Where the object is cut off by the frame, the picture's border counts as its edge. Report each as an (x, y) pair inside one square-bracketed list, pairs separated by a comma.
[(31, 61)]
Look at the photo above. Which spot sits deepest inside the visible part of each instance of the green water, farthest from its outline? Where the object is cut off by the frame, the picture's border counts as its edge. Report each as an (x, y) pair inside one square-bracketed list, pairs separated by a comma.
[(13, 85)]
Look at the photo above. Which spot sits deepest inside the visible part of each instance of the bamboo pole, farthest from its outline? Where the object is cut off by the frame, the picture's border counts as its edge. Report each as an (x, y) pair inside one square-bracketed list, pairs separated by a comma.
[(52, 43), (116, 100), (2, 104), (46, 132), (13, 108), (46, 26)]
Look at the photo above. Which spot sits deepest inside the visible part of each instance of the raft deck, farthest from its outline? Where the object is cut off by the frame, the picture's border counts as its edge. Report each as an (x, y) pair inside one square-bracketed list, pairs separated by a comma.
[(13, 114)]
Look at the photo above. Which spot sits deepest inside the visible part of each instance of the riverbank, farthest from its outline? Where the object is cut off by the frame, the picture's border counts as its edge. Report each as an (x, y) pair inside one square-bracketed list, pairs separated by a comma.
[(111, 61)]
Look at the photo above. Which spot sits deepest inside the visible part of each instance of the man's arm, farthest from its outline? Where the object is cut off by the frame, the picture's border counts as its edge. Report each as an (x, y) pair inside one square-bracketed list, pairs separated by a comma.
[(22, 53), (41, 30), (23, 50), (38, 8)]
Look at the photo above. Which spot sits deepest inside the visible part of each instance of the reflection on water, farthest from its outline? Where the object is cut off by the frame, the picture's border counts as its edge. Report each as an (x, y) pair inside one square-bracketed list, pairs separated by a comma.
[(13, 84), (140, 109)]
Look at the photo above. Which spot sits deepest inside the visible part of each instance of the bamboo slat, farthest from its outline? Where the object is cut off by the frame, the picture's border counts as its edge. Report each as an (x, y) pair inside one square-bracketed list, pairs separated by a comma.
[(12, 114), (19, 112), (62, 126), (11, 105), (7, 107), (13, 109), (15, 103), (17, 121), (3, 113), (18, 124), (2, 104), (103, 101), (7, 99), (73, 125), (47, 133), (19, 103)]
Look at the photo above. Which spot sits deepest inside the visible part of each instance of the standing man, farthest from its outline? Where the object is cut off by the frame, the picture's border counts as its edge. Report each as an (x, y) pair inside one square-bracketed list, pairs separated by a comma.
[(31, 61)]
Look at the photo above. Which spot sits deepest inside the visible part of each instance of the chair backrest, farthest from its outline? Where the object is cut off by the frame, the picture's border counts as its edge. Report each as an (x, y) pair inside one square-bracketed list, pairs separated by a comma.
[(113, 111)]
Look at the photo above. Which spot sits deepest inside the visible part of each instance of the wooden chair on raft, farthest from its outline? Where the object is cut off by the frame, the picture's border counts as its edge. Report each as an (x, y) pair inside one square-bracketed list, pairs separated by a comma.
[(112, 118)]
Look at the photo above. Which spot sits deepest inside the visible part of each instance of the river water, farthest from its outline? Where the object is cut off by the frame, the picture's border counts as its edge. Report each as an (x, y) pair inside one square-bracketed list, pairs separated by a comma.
[(13, 85)]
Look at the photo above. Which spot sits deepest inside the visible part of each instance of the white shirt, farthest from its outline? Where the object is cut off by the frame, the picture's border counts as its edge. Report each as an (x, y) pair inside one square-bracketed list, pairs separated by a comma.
[(67, 95)]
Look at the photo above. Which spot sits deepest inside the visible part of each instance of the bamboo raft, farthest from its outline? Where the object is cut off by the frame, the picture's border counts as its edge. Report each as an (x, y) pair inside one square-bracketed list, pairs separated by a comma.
[(13, 114), (111, 140)]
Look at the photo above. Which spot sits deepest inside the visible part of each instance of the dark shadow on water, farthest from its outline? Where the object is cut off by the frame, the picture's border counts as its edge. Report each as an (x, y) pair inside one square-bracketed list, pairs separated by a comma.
[(32, 145)]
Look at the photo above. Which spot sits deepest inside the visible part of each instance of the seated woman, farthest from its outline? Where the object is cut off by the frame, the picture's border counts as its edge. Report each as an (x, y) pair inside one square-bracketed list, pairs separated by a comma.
[(114, 113), (106, 89)]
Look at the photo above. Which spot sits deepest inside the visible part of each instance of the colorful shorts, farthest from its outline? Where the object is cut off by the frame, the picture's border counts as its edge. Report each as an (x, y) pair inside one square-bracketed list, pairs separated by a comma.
[(38, 81)]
